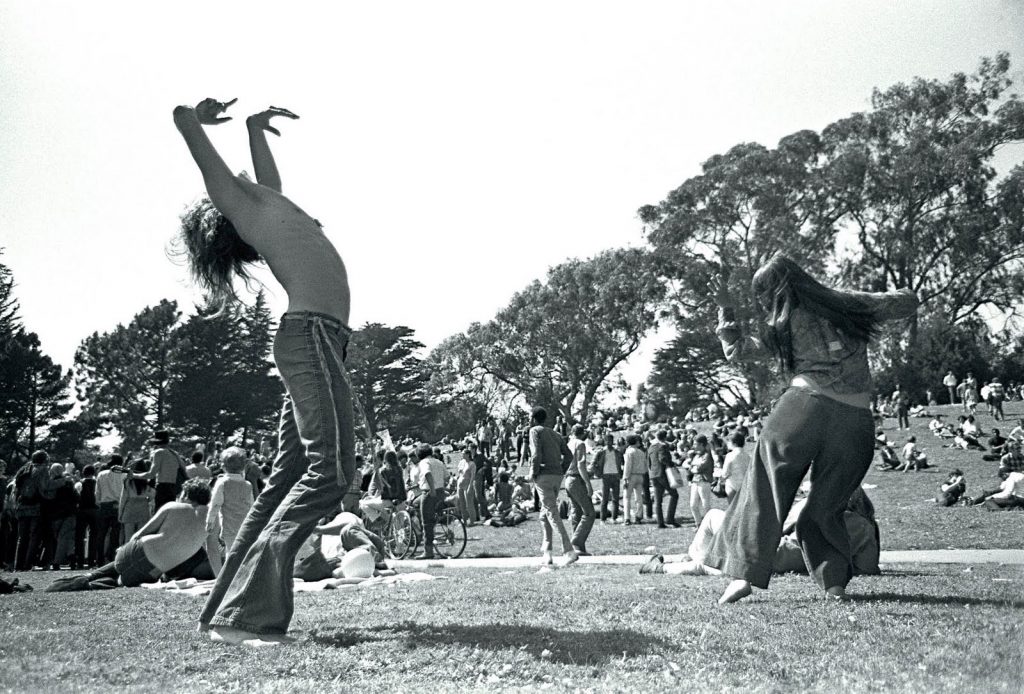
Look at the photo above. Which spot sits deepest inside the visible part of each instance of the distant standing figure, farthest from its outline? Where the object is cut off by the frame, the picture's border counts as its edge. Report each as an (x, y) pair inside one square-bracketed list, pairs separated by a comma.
[(949, 380), (164, 467)]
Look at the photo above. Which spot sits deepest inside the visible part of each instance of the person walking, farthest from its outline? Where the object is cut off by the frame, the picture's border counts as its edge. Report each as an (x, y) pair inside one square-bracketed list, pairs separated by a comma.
[(580, 492), (823, 421), (550, 457)]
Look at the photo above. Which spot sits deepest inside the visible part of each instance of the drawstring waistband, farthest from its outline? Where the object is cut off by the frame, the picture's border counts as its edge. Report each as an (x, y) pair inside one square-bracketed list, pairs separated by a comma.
[(321, 338)]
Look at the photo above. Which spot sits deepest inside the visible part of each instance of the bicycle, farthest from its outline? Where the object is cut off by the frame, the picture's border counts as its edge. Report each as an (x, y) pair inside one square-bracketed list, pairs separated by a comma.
[(395, 527), (449, 533)]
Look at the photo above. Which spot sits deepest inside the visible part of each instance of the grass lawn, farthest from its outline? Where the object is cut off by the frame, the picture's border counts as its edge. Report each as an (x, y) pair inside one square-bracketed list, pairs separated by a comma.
[(946, 628)]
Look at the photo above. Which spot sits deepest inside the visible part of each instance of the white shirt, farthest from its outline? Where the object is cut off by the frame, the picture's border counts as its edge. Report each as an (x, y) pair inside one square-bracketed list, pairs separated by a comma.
[(636, 462), (949, 381), (108, 486), (909, 450), (436, 469), (1013, 485), (735, 467)]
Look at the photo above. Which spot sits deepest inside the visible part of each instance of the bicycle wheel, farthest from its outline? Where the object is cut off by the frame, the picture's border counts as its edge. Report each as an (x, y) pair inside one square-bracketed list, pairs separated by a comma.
[(450, 534), (401, 539)]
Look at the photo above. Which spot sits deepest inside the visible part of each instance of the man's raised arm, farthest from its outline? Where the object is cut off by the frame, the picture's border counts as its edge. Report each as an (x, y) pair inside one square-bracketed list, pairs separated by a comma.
[(223, 187), (262, 158)]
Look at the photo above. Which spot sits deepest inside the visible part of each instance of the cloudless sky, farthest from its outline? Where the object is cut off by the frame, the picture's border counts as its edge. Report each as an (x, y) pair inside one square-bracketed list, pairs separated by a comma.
[(453, 150)]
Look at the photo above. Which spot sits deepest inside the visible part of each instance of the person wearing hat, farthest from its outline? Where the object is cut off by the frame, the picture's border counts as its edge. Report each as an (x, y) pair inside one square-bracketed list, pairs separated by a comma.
[(166, 469)]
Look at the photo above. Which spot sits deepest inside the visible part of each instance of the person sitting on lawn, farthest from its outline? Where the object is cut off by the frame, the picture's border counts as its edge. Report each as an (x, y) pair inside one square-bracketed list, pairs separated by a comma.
[(887, 452), (937, 426), (952, 489), (1012, 460), (859, 518), (913, 457), (1018, 431), (172, 537), (1010, 494), (996, 446)]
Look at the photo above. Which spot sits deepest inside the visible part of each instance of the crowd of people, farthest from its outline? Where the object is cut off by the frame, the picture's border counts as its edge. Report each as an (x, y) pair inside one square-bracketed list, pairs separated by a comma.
[(54, 515)]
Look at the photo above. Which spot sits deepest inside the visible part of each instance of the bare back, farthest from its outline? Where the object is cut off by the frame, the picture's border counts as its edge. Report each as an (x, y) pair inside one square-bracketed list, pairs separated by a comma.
[(298, 252), (180, 535)]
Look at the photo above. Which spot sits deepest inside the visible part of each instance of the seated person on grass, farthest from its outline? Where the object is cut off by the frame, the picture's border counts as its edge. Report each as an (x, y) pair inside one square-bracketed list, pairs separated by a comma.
[(913, 457), (1018, 432), (860, 525), (952, 489), (1009, 495), (996, 445), (1012, 460), (890, 459), (940, 428), (312, 565), (171, 538)]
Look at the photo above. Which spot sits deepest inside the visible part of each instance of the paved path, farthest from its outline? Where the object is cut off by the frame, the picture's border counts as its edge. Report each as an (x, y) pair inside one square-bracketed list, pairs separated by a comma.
[(938, 556)]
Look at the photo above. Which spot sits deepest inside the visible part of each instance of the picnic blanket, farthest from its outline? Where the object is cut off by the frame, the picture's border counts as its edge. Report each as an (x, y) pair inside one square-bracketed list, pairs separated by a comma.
[(190, 586)]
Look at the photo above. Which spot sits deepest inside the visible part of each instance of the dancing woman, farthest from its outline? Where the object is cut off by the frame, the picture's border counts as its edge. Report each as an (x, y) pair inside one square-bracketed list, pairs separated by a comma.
[(241, 223), (823, 422)]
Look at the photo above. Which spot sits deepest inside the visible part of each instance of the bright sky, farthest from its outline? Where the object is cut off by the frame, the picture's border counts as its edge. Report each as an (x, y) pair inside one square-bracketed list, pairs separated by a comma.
[(453, 150)]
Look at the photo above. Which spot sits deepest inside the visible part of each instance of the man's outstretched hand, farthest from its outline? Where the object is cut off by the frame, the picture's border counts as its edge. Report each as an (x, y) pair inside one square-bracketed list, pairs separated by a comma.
[(262, 120), (208, 111)]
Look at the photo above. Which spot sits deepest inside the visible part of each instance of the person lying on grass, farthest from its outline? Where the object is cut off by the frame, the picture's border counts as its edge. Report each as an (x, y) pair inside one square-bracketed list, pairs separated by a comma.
[(312, 565), (859, 518), (171, 538)]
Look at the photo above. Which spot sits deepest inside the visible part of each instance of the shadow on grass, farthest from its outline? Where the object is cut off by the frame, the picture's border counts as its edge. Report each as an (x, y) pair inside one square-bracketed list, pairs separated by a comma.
[(936, 600), (568, 647)]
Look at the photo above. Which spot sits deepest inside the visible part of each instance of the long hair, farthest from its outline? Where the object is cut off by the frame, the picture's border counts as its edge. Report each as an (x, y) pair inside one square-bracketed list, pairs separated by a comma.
[(216, 253), (781, 285)]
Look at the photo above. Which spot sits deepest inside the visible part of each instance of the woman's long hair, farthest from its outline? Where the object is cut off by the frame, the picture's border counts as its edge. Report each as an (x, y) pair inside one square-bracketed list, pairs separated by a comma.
[(216, 253), (781, 286)]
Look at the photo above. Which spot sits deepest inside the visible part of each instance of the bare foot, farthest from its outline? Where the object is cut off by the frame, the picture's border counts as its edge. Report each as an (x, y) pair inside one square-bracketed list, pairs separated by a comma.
[(571, 557), (686, 568), (546, 558), (835, 593), (235, 637), (735, 591)]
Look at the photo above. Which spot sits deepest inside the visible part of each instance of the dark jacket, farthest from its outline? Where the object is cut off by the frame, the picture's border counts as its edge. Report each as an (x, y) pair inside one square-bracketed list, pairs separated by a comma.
[(65, 499), (658, 459), (549, 453), (598, 465)]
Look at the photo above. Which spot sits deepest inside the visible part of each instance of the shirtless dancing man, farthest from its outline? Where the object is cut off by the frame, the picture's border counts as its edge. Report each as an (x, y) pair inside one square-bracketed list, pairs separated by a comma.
[(241, 223)]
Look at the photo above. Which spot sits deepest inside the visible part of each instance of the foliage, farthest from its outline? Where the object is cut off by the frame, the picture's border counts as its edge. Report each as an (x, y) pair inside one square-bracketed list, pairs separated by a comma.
[(558, 343), (33, 390), (387, 377), (902, 195), (221, 380), (34, 393), (123, 376)]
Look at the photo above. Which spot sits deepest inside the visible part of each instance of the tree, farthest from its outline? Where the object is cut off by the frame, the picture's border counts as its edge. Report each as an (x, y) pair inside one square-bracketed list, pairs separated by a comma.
[(559, 342), (221, 381), (914, 180), (387, 376), (9, 320), (123, 376), (35, 393), (747, 204)]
